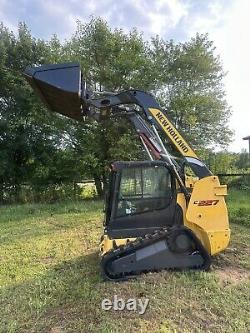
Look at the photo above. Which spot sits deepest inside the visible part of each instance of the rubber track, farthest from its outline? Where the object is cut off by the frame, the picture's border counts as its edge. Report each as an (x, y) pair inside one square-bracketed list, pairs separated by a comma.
[(139, 243)]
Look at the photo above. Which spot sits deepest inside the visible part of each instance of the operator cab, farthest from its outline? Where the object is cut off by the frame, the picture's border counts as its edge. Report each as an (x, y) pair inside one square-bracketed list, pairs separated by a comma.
[(141, 198)]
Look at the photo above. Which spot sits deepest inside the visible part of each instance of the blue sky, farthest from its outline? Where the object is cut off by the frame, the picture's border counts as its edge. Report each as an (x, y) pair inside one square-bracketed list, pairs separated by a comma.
[(226, 21)]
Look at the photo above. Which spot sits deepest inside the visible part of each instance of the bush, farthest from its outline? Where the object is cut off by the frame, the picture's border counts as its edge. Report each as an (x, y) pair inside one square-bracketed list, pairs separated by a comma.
[(49, 193), (241, 183), (240, 216), (88, 191), (239, 206)]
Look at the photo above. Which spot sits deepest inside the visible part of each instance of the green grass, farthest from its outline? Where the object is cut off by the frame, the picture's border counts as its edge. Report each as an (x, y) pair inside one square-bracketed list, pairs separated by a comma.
[(239, 206), (50, 278)]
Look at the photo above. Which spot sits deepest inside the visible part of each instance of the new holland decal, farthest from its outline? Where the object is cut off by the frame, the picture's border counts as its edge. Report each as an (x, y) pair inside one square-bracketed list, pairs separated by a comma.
[(172, 132)]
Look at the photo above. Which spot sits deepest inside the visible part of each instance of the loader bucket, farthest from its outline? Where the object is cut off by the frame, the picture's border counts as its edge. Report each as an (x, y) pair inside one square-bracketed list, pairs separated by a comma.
[(59, 86)]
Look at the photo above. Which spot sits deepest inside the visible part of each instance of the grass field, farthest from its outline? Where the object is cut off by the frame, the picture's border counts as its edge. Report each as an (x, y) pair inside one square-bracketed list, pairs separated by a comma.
[(50, 279)]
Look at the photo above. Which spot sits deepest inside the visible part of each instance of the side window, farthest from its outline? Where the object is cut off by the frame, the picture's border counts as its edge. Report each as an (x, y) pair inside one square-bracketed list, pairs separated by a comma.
[(143, 189)]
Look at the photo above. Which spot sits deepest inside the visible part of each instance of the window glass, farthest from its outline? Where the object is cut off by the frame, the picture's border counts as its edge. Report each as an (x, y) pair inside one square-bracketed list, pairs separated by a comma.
[(143, 189)]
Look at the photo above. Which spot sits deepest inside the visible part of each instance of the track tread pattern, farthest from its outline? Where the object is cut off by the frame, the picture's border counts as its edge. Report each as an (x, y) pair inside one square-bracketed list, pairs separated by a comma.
[(149, 239)]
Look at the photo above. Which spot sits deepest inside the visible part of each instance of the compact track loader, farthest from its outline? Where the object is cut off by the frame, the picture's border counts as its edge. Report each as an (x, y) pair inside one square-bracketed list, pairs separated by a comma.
[(156, 216)]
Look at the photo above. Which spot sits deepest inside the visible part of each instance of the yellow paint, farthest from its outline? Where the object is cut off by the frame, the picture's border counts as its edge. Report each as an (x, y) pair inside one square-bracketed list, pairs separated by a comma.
[(190, 180), (209, 222), (172, 133), (107, 243), (181, 201)]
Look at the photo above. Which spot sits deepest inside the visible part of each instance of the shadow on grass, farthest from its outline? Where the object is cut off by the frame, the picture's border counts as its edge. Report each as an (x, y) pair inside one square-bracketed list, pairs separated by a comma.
[(67, 296)]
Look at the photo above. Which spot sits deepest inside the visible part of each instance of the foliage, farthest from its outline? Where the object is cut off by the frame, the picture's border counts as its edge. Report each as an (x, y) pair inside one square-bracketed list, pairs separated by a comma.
[(110, 60), (38, 147), (190, 87), (243, 161), (241, 182), (224, 162), (239, 206), (88, 192), (30, 135)]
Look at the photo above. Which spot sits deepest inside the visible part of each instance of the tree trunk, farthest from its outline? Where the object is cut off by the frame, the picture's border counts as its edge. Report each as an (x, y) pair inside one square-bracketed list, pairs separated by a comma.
[(104, 182), (99, 187), (1, 193)]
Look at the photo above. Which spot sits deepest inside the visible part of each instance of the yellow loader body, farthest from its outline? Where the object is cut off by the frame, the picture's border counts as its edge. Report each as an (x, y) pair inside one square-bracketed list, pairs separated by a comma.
[(206, 215)]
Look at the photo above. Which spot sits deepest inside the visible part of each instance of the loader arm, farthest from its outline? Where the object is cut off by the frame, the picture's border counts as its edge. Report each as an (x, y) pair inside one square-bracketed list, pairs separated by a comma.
[(157, 119), (153, 113), (64, 90)]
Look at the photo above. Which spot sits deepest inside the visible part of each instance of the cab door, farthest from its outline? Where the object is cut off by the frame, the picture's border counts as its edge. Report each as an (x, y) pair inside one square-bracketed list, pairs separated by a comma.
[(144, 199)]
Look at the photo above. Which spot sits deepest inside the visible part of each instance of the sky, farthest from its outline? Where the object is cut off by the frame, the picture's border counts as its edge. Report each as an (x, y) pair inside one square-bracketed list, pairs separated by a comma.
[(226, 21)]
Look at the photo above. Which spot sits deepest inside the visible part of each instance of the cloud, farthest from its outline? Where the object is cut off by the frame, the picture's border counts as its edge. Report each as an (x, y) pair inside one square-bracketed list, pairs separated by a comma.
[(59, 16), (150, 17)]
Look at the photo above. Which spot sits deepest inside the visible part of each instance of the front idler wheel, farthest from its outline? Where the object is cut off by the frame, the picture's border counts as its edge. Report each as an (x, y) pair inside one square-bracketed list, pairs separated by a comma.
[(179, 241)]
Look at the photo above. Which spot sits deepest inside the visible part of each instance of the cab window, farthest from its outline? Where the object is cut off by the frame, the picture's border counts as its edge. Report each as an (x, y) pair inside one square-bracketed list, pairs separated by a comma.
[(143, 189)]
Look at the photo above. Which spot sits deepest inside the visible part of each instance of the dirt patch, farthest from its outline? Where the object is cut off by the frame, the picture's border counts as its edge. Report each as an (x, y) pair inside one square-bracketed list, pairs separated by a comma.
[(230, 258), (232, 275), (56, 329), (227, 266), (47, 260)]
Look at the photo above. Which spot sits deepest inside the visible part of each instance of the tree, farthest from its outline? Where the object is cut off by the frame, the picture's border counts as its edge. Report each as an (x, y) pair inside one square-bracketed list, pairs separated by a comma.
[(110, 60), (243, 160), (190, 87), (185, 77), (28, 139)]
